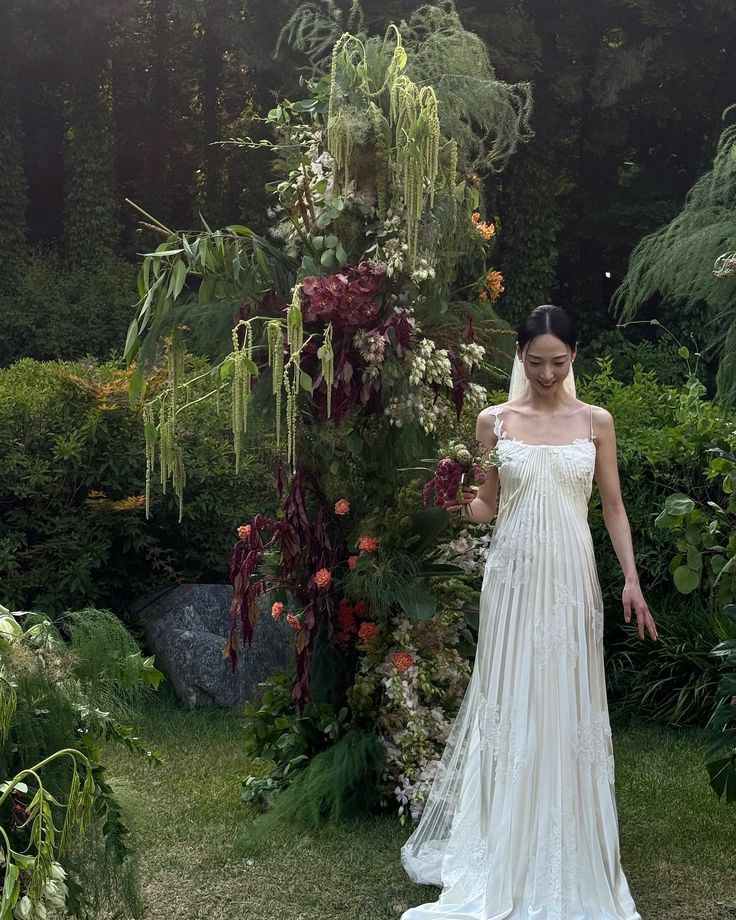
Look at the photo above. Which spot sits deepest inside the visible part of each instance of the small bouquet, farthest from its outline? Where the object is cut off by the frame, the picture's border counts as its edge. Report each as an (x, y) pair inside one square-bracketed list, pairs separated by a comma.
[(457, 470)]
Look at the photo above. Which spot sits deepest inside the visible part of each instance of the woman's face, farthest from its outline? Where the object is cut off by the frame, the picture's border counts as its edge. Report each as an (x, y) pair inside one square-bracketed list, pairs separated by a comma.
[(546, 362)]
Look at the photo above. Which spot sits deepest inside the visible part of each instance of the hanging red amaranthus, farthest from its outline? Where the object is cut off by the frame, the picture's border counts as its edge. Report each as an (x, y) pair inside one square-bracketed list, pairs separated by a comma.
[(307, 559)]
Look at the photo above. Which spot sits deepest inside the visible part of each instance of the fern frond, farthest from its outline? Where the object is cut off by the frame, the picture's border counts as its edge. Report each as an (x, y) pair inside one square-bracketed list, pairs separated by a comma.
[(677, 261)]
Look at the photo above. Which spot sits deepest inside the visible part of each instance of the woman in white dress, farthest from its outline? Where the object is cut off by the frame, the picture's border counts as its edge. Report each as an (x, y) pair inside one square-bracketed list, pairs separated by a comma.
[(521, 820)]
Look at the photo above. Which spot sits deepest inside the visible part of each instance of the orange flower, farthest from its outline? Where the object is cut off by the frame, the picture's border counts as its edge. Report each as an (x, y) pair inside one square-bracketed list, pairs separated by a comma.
[(276, 610), (483, 295), (322, 578), (342, 507), (494, 284), (367, 544), (402, 661), (352, 562), (367, 631), (292, 621), (475, 216), (244, 531), (131, 503)]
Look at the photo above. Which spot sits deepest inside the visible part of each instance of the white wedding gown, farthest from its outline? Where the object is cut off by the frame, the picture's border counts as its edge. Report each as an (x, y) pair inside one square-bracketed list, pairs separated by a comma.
[(521, 820)]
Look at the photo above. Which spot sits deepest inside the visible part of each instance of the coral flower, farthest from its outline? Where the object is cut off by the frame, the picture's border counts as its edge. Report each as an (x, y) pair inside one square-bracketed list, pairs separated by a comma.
[(368, 544), (367, 631), (322, 578), (277, 610), (342, 507), (293, 621), (475, 217), (352, 562), (402, 661), (244, 531)]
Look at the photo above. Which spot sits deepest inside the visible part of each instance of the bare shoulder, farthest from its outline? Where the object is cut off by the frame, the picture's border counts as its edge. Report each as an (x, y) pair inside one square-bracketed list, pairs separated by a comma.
[(603, 425), (602, 419)]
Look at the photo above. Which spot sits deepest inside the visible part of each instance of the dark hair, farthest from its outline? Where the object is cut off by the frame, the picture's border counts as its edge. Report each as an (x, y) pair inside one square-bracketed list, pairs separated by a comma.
[(548, 319)]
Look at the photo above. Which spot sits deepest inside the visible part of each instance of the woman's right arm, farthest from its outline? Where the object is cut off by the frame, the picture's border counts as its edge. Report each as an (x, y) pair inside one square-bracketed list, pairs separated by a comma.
[(481, 505)]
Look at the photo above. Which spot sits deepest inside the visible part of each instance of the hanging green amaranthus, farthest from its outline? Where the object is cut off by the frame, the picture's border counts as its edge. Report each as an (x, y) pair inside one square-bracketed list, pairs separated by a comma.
[(275, 337), (416, 124), (327, 357), (244, 370)]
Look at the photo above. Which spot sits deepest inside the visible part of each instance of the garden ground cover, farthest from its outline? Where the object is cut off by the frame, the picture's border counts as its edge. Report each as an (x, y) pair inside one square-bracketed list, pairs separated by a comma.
[(677, 839)]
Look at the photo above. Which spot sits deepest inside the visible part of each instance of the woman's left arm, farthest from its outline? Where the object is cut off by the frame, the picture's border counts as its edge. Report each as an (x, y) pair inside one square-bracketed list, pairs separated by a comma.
[(617, 521)]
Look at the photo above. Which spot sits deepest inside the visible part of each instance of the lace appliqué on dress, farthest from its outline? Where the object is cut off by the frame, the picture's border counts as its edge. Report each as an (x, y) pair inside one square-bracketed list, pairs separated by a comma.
[(503, 739), (557, 867), (593, 747), (554, 636)]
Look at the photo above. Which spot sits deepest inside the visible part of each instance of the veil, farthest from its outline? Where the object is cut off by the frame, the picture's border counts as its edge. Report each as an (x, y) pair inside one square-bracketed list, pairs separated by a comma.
[(519, 382)]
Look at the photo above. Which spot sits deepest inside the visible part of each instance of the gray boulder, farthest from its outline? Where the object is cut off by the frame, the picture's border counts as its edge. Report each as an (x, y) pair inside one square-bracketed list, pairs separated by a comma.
[(187, 627)]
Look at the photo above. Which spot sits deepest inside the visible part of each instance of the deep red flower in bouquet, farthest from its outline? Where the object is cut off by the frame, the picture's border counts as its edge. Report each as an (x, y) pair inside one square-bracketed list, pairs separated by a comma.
[(459, 468)]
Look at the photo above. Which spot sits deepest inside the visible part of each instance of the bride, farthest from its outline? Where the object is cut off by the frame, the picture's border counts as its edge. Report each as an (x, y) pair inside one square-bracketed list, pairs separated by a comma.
[(521, 820)]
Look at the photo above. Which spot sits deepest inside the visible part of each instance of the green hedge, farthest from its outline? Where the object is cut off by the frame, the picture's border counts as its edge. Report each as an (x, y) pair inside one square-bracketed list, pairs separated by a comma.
[(55, 312), (663, 434), (71, 490)]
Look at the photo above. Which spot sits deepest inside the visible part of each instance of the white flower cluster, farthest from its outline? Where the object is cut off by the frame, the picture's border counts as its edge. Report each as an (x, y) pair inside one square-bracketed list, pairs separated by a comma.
[(468, 550), (471, 355), (422, 271), (413, 795), (395, 253), (476, 396), (429, 364), (53, 895), (418, 406)]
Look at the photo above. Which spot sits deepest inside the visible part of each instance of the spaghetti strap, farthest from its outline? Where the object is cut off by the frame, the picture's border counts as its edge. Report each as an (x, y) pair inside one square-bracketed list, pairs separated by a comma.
[(592, 436)]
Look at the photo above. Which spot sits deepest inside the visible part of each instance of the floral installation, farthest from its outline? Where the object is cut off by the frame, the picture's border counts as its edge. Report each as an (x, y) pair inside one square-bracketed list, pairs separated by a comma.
[(419, 677), (357, 319)]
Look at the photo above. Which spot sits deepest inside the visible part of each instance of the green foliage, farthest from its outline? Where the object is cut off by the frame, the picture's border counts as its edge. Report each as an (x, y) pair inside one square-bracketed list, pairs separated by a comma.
[(13, 184), (71, 492), (722, 766), (55, 311), (704, 532), (629, 349), (675, 680), (50, 761), (706, 559), (91, 225), (676, 454), (678, 260), (485, 117), (663, 433), (530, 223), (340, 783), (275, 731)]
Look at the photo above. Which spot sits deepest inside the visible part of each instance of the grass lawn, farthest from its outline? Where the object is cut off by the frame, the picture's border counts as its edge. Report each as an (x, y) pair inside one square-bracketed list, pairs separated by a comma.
[(677, 839)]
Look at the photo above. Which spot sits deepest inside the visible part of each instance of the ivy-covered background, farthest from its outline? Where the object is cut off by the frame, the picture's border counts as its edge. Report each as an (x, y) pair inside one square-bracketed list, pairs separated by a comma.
[(124, 98)]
